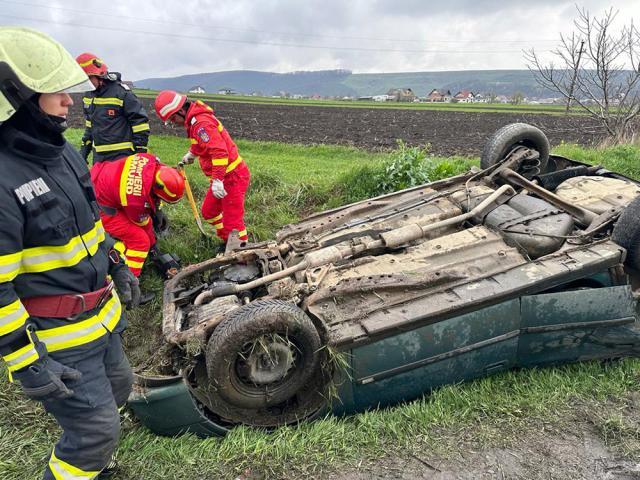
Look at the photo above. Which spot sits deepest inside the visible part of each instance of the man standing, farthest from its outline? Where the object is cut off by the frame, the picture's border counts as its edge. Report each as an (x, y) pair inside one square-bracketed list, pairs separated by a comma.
[(60, 320), (129, 191), (223, 205), (115, 120)]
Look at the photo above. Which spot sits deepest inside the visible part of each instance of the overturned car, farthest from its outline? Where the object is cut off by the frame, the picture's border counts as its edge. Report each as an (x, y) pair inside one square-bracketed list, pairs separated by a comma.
[(529, 261)]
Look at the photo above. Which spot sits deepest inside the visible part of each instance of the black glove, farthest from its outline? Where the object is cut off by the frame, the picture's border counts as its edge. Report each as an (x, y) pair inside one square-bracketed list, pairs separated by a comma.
[(167, 264), (126, 284), (44, 379), (141, 149), (85, 150), (160, 222)]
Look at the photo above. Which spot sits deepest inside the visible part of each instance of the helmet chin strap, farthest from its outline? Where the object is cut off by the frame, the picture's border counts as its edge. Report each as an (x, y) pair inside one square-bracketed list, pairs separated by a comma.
[(52, 123)]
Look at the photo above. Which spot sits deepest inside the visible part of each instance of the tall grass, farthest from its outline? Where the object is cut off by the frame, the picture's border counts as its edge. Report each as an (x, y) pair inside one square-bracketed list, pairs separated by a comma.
[(289, 181)]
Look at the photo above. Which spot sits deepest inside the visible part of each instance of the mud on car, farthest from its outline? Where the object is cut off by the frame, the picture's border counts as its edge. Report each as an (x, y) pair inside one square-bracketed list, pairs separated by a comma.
[(530, 260)]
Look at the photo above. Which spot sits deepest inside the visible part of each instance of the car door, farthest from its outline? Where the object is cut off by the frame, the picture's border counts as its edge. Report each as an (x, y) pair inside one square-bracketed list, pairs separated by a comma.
[(578, 325), (411, 363)]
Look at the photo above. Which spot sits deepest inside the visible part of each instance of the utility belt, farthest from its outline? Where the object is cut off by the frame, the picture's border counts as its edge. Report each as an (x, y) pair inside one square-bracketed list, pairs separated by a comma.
[(69, 306)]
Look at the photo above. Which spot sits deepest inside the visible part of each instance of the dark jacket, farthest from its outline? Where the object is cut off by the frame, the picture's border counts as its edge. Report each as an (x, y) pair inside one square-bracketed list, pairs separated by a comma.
[(51, 242), (116, 123)]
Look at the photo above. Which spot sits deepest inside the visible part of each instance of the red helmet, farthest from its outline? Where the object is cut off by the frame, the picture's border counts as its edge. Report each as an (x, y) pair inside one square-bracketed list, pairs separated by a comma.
[(168, 102), (91, 64), (169, 184)]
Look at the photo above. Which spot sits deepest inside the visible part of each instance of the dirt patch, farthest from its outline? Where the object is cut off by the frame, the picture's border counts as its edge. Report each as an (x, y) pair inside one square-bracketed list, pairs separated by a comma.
[(579, 447), (450, 133), (548, 456)]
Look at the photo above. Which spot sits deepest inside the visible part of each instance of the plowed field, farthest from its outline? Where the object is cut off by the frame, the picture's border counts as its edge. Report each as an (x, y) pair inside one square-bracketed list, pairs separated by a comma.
[(448, 132)]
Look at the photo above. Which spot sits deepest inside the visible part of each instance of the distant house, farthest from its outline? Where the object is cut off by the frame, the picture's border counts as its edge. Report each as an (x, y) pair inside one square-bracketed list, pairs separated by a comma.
[(401, 95), (464, 96), (197, 89), (381, 98), (227, 91), (480, 98), (439, 95), (128, 83)]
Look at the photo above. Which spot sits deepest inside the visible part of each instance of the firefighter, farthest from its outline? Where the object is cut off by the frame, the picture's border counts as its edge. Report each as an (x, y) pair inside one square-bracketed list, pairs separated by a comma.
[(223, 205), (116, 124), (60, 319), (129, 191)]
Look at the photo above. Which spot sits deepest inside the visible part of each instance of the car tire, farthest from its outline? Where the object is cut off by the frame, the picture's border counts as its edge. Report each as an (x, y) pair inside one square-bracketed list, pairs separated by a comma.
[(256, 343), (626, 233), (513, 135)]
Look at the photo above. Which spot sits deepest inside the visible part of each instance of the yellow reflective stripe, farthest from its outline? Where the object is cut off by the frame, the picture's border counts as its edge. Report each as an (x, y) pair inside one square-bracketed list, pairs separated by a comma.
[(219, 226), (108, 101), (193, 140), (84, 331), (12, 317), (216, 218), (42, 259), (123, 180), (21, 357), (10, 266), (113, 146), (220, 127), (242, 233), (142, 223), (87, 142), (87, 123), (140, 128), (133, 264), (219, 161), (65, 471), (87, 100), (234, 164), (137, 253), (119, 246)]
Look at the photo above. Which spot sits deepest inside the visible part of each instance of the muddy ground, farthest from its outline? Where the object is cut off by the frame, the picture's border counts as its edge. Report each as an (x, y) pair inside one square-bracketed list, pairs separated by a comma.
[(449, 133)]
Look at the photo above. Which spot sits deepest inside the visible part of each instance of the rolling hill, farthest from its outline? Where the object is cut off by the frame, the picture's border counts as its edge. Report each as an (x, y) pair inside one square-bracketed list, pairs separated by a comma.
[(339, 83)]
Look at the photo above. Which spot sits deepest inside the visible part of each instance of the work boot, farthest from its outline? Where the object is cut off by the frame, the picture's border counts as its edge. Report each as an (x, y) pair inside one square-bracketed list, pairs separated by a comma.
[(220, 249), (110, 470), (146, 297)]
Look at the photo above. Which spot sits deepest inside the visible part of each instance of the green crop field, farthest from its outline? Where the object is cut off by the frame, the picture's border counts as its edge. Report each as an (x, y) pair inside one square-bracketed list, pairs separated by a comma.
[(456, 107), (288, 182)]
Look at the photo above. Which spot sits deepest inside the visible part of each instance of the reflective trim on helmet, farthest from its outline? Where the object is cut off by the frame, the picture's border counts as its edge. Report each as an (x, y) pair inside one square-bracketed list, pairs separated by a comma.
[(171, 107)]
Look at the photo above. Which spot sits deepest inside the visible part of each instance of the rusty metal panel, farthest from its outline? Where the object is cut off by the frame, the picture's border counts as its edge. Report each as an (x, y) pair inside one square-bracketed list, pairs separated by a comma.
[(578, 325), (598, 194), (551, 271)]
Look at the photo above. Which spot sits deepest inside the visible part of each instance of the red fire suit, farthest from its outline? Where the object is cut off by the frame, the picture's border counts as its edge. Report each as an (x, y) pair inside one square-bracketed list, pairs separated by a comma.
[(219, 159), (124, 192)]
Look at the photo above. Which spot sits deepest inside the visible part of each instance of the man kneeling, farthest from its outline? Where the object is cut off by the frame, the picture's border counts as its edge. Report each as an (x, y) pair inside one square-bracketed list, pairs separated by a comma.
[(129, 191)]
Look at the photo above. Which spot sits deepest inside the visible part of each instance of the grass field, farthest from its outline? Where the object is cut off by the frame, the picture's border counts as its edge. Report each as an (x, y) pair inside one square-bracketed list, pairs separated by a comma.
[(289, 181), (456, 107)]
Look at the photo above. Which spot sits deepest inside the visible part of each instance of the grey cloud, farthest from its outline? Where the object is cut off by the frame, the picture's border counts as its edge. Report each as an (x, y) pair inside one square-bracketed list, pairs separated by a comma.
[(405, 35)]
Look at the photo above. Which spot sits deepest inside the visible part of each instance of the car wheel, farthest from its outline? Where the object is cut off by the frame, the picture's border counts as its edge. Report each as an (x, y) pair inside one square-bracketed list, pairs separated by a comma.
[(263, 354), (626, 233), (514, 135)]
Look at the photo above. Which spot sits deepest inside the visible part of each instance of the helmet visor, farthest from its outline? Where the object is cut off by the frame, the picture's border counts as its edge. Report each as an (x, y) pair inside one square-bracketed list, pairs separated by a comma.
[(84, 86)]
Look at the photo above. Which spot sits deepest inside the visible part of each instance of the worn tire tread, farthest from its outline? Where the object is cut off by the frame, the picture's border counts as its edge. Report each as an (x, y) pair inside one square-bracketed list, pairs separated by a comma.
[(501, 142)]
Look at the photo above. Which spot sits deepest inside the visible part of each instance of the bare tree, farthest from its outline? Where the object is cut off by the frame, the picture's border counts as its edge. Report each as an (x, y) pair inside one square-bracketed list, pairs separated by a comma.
[(598, 69)]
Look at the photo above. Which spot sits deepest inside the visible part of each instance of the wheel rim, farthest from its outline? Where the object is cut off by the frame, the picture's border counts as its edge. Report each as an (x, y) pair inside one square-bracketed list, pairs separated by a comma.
[(266, 365)]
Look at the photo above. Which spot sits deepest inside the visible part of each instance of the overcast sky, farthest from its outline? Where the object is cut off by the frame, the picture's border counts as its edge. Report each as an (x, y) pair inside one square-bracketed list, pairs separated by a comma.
[(162, 38)]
